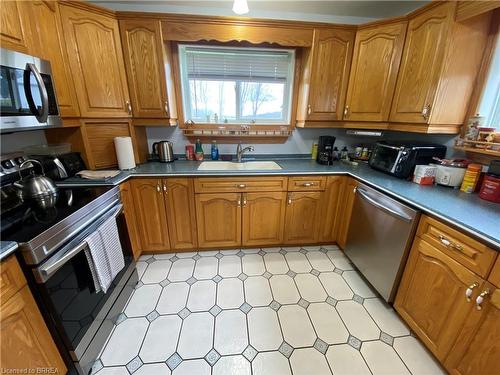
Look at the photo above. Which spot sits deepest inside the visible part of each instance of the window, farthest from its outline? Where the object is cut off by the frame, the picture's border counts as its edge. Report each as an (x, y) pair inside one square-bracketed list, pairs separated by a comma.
[(233, 85), (489, 105)]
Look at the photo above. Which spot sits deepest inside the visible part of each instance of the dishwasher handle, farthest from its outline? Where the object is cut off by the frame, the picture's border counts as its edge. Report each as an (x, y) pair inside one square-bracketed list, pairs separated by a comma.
[(363, 194)]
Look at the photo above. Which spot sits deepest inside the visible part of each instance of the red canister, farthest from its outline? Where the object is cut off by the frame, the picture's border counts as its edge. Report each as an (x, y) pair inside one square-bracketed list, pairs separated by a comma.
[(189, 152), (490, 188)]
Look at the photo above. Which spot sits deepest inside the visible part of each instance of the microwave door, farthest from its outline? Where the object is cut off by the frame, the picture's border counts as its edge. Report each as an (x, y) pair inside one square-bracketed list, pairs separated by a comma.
[(40, 109)]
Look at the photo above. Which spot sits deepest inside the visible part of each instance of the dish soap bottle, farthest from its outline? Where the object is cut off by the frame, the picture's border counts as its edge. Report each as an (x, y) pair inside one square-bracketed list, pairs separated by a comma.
[(214, 151), (198, 153)]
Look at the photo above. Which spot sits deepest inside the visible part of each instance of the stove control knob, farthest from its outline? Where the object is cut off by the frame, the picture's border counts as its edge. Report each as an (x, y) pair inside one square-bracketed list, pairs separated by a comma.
[(7, 164)]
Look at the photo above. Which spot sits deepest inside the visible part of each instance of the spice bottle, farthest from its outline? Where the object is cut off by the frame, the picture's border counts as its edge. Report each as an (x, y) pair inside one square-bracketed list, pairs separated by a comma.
[(214, 152), (470, 178), (199, 151)]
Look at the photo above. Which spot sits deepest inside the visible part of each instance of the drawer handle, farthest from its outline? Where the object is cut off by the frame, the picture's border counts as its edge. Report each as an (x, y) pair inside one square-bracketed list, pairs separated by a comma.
[(446, 242), (241, 186), (468, 292), (308, 184), (480, 299)]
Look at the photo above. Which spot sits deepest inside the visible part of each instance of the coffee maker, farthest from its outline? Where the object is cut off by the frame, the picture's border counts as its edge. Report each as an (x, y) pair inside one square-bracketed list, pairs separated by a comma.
[(325, 149)]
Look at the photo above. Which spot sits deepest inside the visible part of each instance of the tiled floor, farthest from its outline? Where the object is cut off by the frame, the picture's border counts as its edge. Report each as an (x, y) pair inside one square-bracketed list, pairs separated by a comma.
[(258, 311)]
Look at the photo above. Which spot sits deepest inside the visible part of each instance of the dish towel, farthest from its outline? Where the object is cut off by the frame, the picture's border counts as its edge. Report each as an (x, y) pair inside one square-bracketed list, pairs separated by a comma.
[(105, 255)]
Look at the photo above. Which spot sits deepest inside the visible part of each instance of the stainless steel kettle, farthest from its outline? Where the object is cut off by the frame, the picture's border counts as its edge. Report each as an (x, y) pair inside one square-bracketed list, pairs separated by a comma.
[(164, 151), (36, 187)]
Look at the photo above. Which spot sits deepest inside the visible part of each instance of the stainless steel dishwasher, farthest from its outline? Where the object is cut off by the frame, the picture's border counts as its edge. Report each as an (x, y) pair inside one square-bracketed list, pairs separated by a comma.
[(379, 238)]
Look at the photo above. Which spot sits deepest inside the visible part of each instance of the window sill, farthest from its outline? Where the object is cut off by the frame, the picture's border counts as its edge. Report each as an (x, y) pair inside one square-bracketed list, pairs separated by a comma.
[(236, 135)]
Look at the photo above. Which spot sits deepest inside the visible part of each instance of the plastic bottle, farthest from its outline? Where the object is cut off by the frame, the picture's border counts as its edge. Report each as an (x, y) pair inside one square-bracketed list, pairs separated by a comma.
[(198, 153), (314, 151), (214, 151), (470, 178)]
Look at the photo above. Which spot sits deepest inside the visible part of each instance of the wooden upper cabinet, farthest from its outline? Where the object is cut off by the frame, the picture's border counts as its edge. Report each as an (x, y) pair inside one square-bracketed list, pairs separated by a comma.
[(152, 218), (374, 70), (96, 62), (49, 44), (15, 30), (263, 218), (144, 61), (325, 76), (302, 217)]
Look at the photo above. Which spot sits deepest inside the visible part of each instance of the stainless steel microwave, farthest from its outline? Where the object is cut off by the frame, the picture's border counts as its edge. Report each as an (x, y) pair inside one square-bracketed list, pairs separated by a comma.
[(28, 97)]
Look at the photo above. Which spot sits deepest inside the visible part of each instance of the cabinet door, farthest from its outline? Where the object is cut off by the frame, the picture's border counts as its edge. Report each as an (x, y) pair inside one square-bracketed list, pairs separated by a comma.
[(332, 54), (131, 217), (263, 218), (15, 31), (348, 186), (477, 349), (50, 45), (331, 209), (375, 65), (218, 219), (26, 341), (143, 53), (96, 62), (431, 297), (152, 218), (181, 214), (302, 217), (421, 64)]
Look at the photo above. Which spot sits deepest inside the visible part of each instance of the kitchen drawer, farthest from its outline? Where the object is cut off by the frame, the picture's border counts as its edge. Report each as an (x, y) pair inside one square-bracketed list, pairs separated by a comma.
[(494, 277), (307, 183), (11, 278), (465, 250), (239, 184)]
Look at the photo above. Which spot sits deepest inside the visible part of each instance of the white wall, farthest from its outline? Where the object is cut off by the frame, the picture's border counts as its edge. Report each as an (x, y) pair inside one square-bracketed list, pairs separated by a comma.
[(17, 141)]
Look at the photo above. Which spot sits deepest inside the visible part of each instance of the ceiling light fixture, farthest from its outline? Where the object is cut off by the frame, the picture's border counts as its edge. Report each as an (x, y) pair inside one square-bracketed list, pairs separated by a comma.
[(240, 7)]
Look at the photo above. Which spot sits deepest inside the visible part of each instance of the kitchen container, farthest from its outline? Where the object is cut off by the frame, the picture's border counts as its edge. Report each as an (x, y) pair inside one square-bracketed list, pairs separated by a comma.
[(124, 153), (471, 178), (164, 151), (490, 188), (424, 174), (450, 172)]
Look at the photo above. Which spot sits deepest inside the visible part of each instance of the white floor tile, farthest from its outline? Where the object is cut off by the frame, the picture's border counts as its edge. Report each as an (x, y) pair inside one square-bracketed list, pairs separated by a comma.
[(230, 332), (275, 263), (206, 268), (309, 361), (230, 266), (143, 300), (320, 261), (208, 253), (327, 323), (193, 367), (418, 360), (297, 329), (357, 284), (173, 298), (344, 359), (186, 254), (284, 290), (232, 365), (230, 251), (257, 291), (153, 369), (298, 262), (330, 247), (122, 370), (270, 363), (164, 330), (156, 272), (335, 286), (310, 288), (202, 296), (125, 342), (382, 359), (141, 268), (311, 248), (253, 265), (164, 256), (386, 318), (196, 336), (270, 250), (339, 260), (251, 251), (357, 320), (230, 293), (181, 270), (263, 329)]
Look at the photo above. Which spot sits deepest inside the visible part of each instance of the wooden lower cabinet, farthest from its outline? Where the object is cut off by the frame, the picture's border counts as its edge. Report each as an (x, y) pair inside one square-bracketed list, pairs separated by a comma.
[(218, 219), (331, 215), (130, 213), (263, 218), (346, 203), (302, 217)]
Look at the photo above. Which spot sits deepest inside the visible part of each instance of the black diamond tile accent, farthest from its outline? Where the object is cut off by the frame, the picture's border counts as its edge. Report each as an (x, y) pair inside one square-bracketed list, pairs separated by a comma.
[(388, 339), (152, 315), (250, 353), (261, 253), (242, 277), (267, 275), (197, 257), (354, 342), (96, 366), (150, 260), (283, 252), (315, 272), (212, 357), (173, 361), (218, 255), (323, 250), (331, 301), (217, 278), (286, 349), (215, 310), (191, 280), (184, 313), (303, 303), (320, 346), (240, 253), (338, 270), (134, 365), (174, 258), (303, 251), (164, 283), (275, 305), (245, 307), (291, 274), (358, 299), (139, 284), (120, 318)]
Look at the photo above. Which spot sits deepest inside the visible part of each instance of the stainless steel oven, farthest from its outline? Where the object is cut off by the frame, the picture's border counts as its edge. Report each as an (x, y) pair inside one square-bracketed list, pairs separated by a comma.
[(28, 97)]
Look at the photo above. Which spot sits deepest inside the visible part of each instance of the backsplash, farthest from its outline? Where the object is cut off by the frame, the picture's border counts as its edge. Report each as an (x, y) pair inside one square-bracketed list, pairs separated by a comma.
[(17, 141)]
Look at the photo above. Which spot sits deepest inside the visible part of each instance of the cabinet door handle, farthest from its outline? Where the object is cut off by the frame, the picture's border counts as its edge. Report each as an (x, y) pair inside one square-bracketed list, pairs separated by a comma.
[(244, 200), (289, 198), (241, 186), (468, 292), (239, 202), (309, 109), (129, 107), (480, 299), (158, 188), (165, 188), (166, 108), (346, 111), (426, 111)]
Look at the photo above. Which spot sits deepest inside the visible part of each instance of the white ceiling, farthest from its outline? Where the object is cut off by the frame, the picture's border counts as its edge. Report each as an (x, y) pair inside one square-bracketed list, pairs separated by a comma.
[(334, 11)]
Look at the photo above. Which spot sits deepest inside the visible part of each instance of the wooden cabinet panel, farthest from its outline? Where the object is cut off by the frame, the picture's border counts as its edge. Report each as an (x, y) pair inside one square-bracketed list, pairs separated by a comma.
[(348, 186), (131, 217), (143, 53), (306, 183), (152, 218), (96, 62), (50, 45), (263, 218), (431, 297), (181, 214), (26, 341), (218, 219), (11, 278), (421, 64), (331, 209), (494, 277), (331, 61), (374, 70), (239, 184), (15, 31), (302, 217)]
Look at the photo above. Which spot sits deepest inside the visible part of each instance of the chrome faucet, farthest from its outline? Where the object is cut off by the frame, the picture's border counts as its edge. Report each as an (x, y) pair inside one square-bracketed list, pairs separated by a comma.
[(240, 151)]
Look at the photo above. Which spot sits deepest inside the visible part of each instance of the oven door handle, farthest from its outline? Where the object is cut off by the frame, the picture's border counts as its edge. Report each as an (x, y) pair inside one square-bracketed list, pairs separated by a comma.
[(47, 269)]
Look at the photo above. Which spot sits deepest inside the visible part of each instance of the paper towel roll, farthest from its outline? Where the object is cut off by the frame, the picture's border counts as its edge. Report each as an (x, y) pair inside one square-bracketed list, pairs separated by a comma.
[(124, 152)]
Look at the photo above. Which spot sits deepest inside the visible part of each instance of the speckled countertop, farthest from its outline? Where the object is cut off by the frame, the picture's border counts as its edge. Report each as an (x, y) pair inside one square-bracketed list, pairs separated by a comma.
[(478, 217)]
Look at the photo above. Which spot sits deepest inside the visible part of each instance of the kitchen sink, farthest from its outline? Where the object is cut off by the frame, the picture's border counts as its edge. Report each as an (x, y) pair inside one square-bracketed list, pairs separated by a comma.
[(232, 166)]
